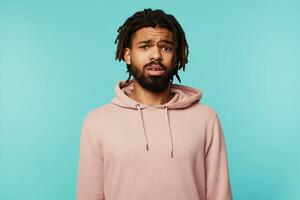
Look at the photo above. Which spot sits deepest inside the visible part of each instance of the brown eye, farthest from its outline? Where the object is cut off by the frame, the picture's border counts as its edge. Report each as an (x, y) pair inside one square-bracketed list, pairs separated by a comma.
[(144, 47), (167, 48)]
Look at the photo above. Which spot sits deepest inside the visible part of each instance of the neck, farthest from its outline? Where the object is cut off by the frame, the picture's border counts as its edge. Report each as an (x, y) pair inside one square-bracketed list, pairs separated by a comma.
[(147, 97)]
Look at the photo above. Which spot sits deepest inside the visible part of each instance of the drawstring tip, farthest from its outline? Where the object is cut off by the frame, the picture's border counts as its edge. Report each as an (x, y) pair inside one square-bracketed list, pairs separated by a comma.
[(147, 147), (172, 154)]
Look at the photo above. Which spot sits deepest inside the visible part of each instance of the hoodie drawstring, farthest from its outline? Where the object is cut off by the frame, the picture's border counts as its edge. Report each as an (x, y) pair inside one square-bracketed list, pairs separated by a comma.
[(169, 128), (168, 124), (142, 123)]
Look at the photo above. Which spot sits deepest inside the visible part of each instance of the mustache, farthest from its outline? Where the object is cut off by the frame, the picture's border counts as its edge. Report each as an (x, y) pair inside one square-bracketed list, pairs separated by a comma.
[(155, 63)]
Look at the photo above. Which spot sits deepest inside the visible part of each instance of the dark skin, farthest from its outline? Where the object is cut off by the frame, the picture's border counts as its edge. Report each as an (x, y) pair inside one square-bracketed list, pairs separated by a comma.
[(150, 44)]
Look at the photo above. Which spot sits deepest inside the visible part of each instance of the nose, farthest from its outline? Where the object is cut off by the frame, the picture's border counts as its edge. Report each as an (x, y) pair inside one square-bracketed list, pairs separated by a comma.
[(156, 53)]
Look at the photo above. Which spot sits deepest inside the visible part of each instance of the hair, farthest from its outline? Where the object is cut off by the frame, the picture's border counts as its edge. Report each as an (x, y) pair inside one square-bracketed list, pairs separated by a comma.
[(153, 18)]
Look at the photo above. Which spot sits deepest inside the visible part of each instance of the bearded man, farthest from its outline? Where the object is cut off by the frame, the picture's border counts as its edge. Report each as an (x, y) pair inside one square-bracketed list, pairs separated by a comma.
[(154, 140)]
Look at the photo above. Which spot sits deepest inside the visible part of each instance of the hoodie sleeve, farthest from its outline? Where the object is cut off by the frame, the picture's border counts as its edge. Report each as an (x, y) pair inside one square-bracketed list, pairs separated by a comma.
[(217, 177), (90, 171)]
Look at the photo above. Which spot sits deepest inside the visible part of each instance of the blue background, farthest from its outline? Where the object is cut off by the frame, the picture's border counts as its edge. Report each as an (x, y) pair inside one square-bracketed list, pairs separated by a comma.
[(57, 63)]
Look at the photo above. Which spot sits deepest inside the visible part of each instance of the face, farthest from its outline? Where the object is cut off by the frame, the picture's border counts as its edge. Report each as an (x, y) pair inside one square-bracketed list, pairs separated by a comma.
[(152, 57)]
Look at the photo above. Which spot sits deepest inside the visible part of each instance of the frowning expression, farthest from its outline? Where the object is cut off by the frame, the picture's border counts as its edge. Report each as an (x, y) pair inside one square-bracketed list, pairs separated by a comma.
[(152, 57)]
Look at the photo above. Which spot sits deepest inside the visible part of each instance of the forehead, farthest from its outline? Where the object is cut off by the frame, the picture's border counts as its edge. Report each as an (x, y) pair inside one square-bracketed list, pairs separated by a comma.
[(155, 34)]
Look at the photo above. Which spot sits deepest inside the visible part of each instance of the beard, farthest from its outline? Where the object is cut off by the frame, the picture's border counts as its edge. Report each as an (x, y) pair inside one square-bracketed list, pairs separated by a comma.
[(152, 83)]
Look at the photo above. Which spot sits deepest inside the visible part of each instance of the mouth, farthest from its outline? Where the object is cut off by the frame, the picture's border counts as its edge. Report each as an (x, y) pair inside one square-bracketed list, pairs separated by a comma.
[(155, 70)]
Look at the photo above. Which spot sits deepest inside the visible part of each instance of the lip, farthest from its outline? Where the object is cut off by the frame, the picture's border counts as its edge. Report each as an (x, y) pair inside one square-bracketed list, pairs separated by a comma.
[(155, 67), (155, 70)]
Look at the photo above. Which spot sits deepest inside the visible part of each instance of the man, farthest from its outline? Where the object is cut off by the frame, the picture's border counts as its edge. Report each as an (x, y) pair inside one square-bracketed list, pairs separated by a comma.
[(154, 140)]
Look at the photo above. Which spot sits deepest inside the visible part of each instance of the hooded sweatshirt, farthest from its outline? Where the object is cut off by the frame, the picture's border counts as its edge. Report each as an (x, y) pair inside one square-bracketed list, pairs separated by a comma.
[(133, 151)]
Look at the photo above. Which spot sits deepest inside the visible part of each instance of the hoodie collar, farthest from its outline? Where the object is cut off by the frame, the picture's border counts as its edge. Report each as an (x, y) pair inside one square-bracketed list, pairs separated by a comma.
[(184, 96)]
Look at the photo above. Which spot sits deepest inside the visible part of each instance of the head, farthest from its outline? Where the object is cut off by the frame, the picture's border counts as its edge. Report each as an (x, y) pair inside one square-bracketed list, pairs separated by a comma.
[(153, 46)]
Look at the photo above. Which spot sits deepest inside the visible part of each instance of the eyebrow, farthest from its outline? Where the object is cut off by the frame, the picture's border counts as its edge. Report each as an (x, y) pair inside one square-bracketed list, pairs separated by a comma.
[(161, 41), (144, 42)]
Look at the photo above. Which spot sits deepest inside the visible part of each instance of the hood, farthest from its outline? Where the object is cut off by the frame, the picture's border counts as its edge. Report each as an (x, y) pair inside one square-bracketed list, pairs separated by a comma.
[(184, 96)]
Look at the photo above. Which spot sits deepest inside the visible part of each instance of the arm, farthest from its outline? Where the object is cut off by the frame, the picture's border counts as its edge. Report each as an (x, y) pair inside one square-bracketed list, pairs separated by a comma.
[(217, 177), (90, 172)]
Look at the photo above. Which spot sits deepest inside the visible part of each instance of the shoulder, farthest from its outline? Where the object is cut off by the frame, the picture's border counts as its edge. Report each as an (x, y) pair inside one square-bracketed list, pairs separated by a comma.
[(99, 114), (203, 109), (204, 113)]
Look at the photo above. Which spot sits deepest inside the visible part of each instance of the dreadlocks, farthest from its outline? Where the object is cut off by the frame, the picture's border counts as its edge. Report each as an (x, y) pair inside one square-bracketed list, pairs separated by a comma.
[(153, 18)]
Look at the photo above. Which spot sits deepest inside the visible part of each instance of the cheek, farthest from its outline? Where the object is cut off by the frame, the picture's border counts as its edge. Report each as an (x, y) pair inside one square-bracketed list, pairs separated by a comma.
[(139, 59), (169, 59)]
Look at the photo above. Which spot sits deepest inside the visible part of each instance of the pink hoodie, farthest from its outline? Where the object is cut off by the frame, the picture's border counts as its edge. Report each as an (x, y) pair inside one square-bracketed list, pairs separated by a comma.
[(132, 151)]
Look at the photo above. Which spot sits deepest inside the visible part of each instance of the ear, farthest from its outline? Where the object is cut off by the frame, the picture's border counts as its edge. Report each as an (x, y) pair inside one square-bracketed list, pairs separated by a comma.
[(126, 56)]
